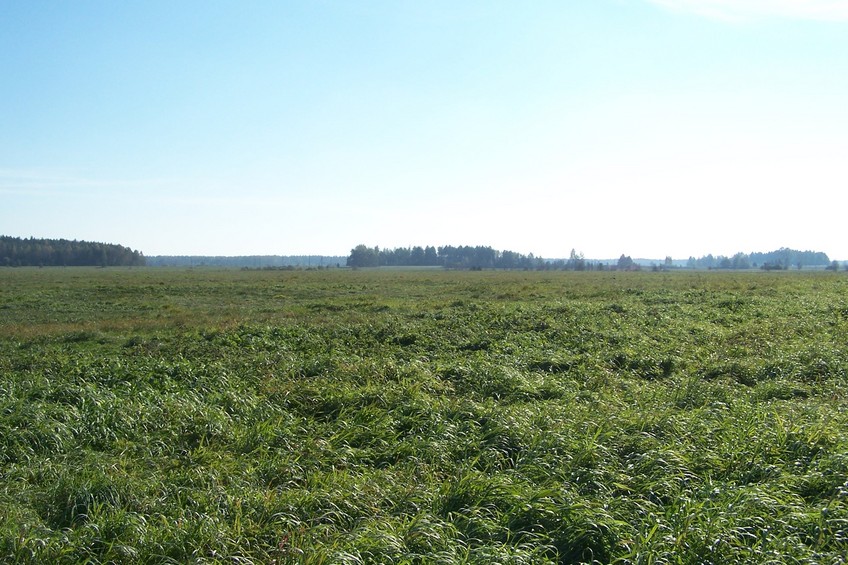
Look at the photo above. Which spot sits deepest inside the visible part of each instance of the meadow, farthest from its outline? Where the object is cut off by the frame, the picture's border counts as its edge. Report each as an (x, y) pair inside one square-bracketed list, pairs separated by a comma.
[(219, 416)]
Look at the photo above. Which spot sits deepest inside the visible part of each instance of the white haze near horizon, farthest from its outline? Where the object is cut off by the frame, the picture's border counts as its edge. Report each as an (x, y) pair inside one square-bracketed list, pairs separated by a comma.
[(639, 127)]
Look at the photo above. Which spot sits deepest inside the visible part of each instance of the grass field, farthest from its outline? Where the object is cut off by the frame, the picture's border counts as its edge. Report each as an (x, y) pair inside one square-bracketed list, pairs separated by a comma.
[(202, 416)]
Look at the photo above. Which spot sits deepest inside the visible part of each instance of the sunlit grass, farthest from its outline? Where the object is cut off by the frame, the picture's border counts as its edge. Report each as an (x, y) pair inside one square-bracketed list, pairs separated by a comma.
[(151, 416)]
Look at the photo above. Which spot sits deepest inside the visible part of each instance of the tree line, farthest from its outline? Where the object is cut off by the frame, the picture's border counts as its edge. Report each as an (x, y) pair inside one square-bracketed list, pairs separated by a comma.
[(463, 257), (19, 252), (781, 259), (483, 257)]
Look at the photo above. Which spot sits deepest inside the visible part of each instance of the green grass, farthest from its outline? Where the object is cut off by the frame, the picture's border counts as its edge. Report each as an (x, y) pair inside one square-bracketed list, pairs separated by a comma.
[(202, 416)]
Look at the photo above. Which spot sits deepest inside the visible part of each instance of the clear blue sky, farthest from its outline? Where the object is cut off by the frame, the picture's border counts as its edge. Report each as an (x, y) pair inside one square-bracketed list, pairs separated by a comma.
[(644, 127)]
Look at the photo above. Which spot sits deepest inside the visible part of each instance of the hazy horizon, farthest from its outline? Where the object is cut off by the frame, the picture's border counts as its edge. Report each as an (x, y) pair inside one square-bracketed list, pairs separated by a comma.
[(649, 128), (641, 259), (566, 256)]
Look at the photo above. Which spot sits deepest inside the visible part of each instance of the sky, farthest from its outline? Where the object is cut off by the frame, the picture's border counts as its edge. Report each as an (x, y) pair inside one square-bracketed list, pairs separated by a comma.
[(649, 128)]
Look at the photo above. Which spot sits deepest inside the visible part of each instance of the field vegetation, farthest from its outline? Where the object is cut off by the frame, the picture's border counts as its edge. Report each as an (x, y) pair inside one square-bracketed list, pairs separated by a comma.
[(214, 416)]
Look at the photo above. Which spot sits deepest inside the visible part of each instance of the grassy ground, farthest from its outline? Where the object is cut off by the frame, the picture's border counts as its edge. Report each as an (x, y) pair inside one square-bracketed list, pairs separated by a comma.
[(156, 416)]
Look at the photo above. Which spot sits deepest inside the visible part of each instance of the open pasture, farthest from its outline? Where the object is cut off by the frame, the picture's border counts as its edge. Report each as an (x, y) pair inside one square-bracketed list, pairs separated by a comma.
[(209, 416)]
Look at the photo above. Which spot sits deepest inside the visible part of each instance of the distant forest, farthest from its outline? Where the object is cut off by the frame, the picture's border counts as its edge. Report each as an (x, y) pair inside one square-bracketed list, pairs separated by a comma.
[(18, 252), (781, 259), (467, 257)]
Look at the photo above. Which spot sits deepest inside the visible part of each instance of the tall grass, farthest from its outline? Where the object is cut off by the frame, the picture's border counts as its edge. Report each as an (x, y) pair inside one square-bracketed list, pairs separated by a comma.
[(152, 416)]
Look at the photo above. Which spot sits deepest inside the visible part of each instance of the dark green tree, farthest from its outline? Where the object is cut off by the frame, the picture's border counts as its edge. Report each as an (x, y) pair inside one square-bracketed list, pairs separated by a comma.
[(16, 251), (363, 256), (626, 263)]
